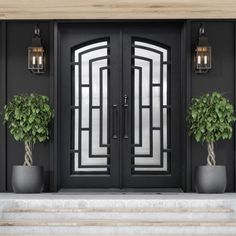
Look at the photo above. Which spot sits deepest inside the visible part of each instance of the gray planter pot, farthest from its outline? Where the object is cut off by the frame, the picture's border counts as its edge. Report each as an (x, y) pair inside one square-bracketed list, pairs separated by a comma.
[(27, 179), (210, 179)]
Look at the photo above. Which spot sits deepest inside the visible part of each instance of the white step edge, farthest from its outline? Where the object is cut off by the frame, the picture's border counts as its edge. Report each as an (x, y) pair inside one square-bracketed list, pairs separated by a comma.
[(116, 215), (122, 210), (117, 223), (116, 203), (45, 234), (120, 230)]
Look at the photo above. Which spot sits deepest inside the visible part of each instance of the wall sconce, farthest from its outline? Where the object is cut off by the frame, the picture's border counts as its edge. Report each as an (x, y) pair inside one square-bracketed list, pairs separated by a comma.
[(202, 57), (36, 54)]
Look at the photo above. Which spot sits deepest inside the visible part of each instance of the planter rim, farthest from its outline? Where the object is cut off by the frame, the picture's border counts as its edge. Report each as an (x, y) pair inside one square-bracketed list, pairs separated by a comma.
[(34, 166), (210, 166)]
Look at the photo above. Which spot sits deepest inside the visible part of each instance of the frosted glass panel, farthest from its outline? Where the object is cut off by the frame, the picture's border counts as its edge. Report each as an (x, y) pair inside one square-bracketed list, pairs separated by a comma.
[(96, 149), (76, 129), (104, 106), (156, 106), (165, 128), (88, 169), (156, 152), (136, 106), (152, 46), (165, 91), (85, 48), (150, 97), (85, 107), (145, 149), (163, 168), (156, 60), (145, 80), (85, 160), (85, 63), (91, 112), (76, 86)]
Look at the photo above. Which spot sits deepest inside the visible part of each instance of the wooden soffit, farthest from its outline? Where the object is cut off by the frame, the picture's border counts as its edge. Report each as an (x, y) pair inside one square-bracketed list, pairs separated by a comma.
[(117, 9)]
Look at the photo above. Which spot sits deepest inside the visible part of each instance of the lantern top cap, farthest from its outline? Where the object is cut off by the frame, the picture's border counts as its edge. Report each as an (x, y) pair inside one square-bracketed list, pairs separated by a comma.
[(203, 40), (37, 33), (36, 40), (201, 30)]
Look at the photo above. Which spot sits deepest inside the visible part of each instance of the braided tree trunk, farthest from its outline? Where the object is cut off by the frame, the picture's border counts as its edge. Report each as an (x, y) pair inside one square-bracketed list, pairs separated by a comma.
[(28, 154), (211, 159)]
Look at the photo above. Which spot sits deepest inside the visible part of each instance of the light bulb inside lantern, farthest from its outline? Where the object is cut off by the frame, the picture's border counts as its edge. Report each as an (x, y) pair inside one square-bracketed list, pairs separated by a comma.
[(40, 60), (199, 60), (34, 60)]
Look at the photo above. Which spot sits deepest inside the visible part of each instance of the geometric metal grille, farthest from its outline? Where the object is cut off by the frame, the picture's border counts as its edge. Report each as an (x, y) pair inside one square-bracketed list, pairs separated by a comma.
[(89, 108), (151, 109)]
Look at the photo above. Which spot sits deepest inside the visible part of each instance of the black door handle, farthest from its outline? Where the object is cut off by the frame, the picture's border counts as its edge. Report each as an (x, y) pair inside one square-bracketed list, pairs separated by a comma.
[(125, 105), (115, 121)]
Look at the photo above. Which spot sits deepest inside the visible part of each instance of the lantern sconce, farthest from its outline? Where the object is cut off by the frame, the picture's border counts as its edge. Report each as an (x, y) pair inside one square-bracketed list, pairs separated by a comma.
[(202, 57), (36, 53)]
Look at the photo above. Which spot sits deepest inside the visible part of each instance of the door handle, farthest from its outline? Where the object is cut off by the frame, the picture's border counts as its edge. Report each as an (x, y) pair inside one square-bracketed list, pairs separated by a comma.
[(125, 105), (115, 121)]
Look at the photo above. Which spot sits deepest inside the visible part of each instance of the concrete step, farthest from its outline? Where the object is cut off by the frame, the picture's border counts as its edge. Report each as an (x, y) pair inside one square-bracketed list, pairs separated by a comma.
[(127, 213), (45, 234), (118, 226), (123, 210), (109, 214), (51, 200), (16, 234)]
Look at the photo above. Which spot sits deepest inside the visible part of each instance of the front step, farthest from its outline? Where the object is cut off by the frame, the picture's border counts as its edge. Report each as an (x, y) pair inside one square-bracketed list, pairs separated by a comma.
[(116, 223), (122, 210), (117, 226), (119, 213), (107, 215), (116, 234)]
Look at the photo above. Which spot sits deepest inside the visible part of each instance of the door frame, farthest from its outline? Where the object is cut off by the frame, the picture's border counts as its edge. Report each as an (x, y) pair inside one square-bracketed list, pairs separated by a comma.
[(185, 95)]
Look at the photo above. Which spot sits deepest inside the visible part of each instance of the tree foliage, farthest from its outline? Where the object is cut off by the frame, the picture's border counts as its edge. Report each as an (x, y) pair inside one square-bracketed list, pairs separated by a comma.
[(210, 118), (28, 117)]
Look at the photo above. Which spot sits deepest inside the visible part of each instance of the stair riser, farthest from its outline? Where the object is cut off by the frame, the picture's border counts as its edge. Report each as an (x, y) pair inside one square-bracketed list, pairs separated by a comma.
[(120, 230), (120, 216), (81, 203)]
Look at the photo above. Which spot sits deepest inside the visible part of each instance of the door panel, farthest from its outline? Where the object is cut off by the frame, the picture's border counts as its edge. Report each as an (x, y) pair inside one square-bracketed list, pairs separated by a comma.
[(119, 90), (89, 72), (151, 66)]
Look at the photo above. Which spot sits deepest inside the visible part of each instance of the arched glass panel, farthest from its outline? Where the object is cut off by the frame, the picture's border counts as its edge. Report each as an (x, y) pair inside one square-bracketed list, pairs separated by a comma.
[(151, 108), (90, 94)]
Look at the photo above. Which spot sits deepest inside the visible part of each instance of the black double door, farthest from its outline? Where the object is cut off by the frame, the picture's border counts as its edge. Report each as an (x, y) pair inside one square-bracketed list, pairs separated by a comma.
[(119, 105)]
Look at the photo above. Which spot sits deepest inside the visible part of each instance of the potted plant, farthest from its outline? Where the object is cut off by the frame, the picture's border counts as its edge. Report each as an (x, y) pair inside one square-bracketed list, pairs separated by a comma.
[(210, 118), (28, 117)]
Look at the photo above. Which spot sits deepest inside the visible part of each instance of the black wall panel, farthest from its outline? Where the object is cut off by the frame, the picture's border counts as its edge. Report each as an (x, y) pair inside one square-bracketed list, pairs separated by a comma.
[(3, 148), (20, 80), (221, 78)]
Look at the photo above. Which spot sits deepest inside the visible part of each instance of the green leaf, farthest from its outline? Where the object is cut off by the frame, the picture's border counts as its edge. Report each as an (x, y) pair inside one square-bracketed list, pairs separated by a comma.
[(40, 130), (210, 118), (28, 116)]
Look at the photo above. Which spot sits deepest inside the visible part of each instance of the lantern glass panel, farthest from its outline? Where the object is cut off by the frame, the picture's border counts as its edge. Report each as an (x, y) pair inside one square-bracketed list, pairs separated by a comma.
[(36, 58), (203, 58)]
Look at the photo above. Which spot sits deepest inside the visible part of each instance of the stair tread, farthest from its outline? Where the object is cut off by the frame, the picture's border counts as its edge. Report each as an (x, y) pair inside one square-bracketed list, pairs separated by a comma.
[(125, 209), (118, 223), (137, 234)]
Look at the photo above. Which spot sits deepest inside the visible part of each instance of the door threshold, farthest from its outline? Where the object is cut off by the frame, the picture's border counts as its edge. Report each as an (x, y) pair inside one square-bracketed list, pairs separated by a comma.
[(120, 191)]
